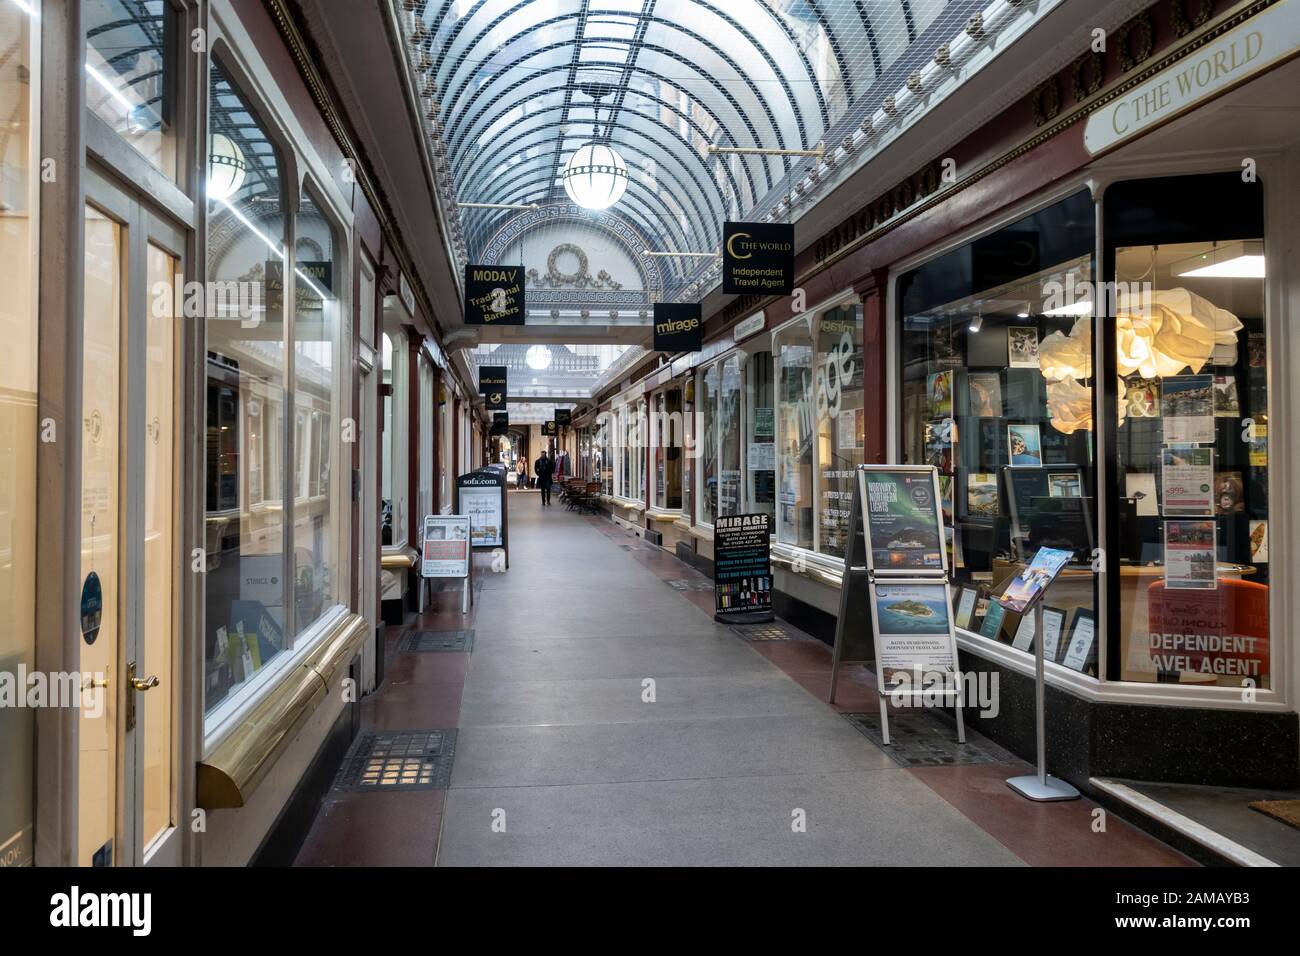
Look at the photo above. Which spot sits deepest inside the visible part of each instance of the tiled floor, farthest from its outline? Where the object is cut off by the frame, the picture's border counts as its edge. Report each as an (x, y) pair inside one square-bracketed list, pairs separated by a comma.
[(604, 718)]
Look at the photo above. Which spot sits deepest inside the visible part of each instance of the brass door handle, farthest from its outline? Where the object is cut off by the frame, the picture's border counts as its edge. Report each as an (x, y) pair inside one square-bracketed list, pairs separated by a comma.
[(145, 683)]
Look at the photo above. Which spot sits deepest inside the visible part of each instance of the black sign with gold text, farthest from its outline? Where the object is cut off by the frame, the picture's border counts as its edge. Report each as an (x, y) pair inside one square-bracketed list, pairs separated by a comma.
[(500, 423), (492, 385), (678, 327), (563, 417), (494, 295), (757, 258), (549, 429)]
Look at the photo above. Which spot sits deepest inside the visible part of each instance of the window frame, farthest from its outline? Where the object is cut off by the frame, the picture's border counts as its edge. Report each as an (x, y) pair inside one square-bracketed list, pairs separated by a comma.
[(813, 556), (301, 166), (1271, 166)]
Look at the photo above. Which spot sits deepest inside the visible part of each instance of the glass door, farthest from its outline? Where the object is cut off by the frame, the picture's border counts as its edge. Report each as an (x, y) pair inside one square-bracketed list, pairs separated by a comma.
[(130, 525)]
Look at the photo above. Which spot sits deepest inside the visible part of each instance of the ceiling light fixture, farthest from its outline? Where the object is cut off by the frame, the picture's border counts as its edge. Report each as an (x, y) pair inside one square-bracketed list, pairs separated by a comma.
[(538, 357), (595, 177), (1234, 260)]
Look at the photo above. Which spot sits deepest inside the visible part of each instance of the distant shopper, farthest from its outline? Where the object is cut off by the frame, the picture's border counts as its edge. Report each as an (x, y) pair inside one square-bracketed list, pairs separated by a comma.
[(523, 473), (544, 468)]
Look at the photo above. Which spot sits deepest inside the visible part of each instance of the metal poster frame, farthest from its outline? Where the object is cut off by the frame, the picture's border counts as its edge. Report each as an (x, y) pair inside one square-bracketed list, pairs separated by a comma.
[(859, 569), (467, 579), (863, 471)]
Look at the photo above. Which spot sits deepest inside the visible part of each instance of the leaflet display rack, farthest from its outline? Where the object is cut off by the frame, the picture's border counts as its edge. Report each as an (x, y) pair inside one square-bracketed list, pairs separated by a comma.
[(896, 583)]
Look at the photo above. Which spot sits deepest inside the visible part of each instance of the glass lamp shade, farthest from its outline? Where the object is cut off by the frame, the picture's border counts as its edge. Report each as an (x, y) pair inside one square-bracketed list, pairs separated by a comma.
[(538, 357), (226, 167), (595, 177)]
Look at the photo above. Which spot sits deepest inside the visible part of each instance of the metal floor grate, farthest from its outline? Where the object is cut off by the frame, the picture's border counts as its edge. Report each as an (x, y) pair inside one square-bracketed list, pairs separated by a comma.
[(690, 585), (427, 642), (773, 631), (402, 760), (918, 739)]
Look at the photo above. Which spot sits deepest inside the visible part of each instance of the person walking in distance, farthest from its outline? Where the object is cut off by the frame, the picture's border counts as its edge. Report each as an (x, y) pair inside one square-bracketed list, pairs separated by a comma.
[(544, 468)]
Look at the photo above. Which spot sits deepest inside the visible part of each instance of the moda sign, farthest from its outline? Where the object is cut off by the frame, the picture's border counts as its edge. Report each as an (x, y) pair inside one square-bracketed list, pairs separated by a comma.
[(757, 258), (494, 295)]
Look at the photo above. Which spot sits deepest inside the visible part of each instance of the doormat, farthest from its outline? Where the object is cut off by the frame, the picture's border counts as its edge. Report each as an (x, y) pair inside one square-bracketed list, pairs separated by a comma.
[(1288, 811), (400, 760), (428, 642), (920, 740)]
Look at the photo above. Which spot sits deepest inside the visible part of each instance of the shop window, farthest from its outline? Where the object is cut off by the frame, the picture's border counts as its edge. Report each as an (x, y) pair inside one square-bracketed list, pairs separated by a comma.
[(707, 396), (131, 57), (317, 373), (760, 436), (667, 442), (996, 377), (729, 436), (1191, 449), (246, 595), (19, 430), (818, 427), (840, 423)]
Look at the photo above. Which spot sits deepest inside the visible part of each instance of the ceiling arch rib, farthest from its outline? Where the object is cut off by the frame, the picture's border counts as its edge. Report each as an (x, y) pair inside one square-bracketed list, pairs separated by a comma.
[(485, 181), (527, 96), (520, 84), (526, 127), (643, 21), (649, 211), (453, 125), (710, 224), (636, 212)]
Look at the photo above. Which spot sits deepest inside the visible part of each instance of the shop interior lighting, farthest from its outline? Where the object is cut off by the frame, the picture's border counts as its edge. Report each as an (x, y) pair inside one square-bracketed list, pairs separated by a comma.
[(1233, 260)]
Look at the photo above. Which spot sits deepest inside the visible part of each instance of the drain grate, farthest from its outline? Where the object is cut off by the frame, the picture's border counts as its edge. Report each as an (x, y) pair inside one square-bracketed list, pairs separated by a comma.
[(690, 585), (427, 642), (921, 740), (773, 631), (402, 760)]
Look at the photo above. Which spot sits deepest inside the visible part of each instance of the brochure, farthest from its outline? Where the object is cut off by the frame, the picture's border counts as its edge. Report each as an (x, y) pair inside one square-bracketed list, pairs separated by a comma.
[(1190, 554), (1187, 481), (1189, 409), (1034, 579)]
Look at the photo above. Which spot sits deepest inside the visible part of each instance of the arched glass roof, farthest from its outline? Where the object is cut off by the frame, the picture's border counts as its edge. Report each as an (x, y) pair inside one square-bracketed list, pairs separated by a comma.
[(521, 84)]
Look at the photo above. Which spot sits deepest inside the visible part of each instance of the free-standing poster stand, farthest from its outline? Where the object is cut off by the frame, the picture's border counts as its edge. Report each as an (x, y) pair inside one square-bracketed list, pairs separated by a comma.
[(444, 553), (1028, 590), (897, 559), (481, 496)]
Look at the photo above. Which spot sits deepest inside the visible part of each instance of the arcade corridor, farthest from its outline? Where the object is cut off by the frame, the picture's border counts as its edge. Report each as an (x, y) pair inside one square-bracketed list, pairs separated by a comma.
[(551, 729)]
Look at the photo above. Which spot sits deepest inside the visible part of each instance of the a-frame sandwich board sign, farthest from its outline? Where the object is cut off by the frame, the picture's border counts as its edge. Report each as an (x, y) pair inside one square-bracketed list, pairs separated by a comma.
[(895, 582)]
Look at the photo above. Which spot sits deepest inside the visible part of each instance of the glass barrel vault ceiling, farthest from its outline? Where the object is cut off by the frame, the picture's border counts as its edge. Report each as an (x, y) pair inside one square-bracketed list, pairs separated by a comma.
[(539, 371), (521, 84)]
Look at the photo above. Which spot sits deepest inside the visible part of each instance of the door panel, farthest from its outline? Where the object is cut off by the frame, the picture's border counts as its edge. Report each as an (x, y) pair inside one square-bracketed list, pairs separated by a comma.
[(101, 507), (128, 764), (155, 657)]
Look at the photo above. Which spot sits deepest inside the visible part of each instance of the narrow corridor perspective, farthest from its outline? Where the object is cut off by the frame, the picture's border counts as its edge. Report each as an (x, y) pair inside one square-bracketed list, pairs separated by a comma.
[(603, 718)]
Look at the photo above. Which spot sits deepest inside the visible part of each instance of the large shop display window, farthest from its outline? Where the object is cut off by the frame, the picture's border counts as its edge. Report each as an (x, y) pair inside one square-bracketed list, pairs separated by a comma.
[(819, 427), (996, 377), (1191, 452), (316, 373), (667, 439), (270, 442), (132, 55), (246, 590), (19, 193)]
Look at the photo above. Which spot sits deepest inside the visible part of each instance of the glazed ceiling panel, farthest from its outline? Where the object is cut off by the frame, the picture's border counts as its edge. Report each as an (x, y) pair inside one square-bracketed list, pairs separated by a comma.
[(520, 85)]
